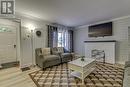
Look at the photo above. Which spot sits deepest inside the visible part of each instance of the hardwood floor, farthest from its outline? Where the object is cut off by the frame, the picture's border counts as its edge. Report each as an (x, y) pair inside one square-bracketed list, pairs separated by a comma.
[(14, 77)]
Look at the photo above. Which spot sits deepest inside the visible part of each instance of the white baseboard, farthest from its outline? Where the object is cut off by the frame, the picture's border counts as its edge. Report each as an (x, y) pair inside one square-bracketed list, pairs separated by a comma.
[(26, 65)]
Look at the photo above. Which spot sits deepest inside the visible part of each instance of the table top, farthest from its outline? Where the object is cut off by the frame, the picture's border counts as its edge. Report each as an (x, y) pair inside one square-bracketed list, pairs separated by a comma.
[(80, 63)]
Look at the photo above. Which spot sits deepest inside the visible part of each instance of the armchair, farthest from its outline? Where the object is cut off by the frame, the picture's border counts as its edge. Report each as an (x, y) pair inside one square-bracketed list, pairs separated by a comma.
[(45, 59)]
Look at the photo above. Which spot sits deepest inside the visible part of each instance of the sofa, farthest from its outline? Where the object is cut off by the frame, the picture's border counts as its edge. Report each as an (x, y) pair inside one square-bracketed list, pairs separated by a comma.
[(45, 59), (65, 56), (126, 80)]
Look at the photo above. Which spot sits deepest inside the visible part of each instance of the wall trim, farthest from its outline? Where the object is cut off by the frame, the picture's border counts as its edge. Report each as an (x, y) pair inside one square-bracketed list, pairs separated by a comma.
[(99, 41), (114, 19)]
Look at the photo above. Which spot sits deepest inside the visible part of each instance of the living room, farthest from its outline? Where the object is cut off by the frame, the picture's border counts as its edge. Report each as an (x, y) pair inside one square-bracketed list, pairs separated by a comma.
[(60, 43)]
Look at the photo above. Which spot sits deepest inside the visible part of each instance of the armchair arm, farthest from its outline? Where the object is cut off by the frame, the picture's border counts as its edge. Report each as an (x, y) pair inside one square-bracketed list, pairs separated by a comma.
[(127, 64), (40, 55), (39, 60)]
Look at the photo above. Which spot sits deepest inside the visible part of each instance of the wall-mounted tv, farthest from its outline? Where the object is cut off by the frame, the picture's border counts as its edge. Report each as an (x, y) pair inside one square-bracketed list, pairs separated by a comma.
[(100, 30)]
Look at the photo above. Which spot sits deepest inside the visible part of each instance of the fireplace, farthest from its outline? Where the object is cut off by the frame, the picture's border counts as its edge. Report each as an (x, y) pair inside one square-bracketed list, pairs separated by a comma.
[(104, 50)]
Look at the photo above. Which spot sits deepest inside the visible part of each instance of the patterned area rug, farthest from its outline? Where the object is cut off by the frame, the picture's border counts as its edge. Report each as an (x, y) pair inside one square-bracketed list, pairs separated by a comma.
[(105, 75)]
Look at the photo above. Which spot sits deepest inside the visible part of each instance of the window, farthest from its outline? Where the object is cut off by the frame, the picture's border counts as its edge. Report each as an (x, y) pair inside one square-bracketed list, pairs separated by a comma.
[(64, 40), (60, 39)]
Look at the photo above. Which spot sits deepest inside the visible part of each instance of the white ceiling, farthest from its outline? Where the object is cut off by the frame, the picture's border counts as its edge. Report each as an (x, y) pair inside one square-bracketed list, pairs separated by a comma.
[(74, 12)]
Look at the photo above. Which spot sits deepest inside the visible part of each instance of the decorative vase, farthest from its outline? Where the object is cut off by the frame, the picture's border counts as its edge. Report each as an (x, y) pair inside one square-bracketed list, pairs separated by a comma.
[(82, 58)]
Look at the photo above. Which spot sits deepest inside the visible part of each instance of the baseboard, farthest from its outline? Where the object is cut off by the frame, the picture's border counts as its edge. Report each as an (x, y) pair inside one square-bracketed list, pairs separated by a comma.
[(25, 65), (25, 69), (9, 64)]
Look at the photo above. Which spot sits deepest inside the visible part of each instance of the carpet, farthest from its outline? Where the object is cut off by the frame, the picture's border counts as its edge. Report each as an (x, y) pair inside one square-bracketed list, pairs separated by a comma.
[(105, 75)]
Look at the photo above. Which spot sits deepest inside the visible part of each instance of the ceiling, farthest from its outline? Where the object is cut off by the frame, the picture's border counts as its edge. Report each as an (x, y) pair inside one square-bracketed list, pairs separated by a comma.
[(74, 12)]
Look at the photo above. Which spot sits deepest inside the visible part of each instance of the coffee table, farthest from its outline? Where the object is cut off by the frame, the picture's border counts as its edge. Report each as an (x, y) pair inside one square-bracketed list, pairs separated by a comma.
[(81, 69)]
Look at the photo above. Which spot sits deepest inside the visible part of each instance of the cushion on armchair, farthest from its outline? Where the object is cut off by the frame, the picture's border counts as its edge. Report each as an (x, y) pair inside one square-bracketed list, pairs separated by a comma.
[(54, 51), (60, 49), (57, 50), (46, 51)]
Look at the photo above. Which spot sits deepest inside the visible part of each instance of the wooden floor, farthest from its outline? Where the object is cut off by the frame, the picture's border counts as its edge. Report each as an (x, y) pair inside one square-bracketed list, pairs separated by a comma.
[(14, 77)]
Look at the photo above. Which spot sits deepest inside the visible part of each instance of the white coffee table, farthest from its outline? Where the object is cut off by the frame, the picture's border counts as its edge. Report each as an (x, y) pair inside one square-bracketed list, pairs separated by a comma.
[(80, 68)]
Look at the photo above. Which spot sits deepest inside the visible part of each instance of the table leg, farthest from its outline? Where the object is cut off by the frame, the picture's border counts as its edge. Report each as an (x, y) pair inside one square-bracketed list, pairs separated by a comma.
[(82, 79), (69, 72)]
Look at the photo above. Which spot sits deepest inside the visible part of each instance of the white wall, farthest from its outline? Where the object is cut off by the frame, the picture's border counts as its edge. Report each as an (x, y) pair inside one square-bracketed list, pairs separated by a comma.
[(27, 58), (120, 34)]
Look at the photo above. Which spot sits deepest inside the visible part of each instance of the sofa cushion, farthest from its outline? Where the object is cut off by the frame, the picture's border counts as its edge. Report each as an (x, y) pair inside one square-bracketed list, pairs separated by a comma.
[(60, 49), (51, 57), (54, 50), (46, 51), (66, 54)]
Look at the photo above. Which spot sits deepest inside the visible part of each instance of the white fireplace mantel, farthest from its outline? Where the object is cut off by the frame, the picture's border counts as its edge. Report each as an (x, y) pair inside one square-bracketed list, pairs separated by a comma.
[(107, 46)]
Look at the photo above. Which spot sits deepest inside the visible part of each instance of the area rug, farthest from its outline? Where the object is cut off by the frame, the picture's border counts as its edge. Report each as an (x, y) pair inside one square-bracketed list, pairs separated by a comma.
[(105, 75)]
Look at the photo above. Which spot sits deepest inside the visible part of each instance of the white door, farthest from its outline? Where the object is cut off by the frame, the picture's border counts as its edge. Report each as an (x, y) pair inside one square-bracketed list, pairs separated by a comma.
[(7, 44)]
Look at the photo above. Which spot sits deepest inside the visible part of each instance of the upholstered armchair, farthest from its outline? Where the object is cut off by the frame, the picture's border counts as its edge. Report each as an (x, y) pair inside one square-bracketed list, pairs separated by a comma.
[(65, 57), (44, 58)]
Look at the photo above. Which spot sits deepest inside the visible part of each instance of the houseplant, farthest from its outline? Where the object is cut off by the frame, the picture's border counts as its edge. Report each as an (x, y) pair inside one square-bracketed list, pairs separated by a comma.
[(82, 58)]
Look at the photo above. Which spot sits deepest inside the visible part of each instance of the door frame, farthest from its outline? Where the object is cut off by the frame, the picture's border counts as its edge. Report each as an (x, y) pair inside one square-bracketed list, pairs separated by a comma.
[(18, 36)]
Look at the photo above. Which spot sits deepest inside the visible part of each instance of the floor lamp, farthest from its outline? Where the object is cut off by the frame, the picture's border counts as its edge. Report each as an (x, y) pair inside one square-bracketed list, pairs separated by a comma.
[(32, 46), (32, 28)]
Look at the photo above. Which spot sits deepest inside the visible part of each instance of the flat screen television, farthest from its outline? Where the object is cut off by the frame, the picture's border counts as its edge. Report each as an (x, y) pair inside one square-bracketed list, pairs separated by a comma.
[(100, 30)]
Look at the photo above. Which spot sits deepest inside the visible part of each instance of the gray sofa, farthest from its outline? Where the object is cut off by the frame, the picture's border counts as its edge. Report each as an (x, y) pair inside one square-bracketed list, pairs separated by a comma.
[(126, 81), (44, 58), (65, 57)]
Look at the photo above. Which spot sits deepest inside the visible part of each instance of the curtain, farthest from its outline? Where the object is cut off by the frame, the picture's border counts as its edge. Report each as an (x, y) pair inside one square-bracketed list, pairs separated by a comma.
[(52, 36), (60, 36), (66, 38), (71, 40)]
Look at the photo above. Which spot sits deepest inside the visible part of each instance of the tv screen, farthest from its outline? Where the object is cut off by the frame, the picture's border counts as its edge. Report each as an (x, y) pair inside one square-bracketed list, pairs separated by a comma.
[(100, 30)]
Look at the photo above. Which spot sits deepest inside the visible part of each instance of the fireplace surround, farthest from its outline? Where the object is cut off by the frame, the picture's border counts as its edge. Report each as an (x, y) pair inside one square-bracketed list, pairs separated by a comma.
[(101, 49)]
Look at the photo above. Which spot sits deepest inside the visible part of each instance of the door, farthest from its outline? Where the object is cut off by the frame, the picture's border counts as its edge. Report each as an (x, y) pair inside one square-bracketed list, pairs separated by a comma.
[(7, 44)]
